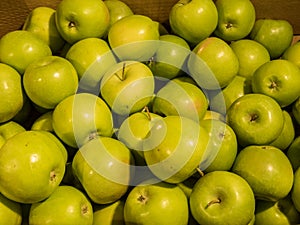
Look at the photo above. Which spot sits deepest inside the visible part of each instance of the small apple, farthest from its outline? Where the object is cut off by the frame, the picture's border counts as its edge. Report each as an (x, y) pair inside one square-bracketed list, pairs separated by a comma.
[(76, 19), (43, 122), (41, 21), (292, 53), (19, 48), (66, 205), (251, 115), (108, 214), (267, 170), (275, 34), (278, 79), (236, 19), (295, 192), (193, 20), (49, 80), (10, 211), (127, 87), (293, 153), (221, 196), (156, 203)]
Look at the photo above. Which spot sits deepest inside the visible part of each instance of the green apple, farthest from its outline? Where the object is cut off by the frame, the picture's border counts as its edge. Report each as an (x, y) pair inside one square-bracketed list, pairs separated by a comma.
[(275, 34), (9, 129), (127, 87), (219, 57), (222, 197), (41, 21), (134, 37), (193, 20), (180, 98), (108, 214), (104, 162), (76, 19), (156, 203), (292, 53), (11, 93), (267, 170), (43, 122), (66, 205), (32, 165), (175, 148), (91, 57), (211, 114), (222, 146), (10, 211), (296, 110), (236, 19), (287, 135), (170, 58), (278, 79), (295, 192), (293, 153), (251, 55), (80, 117), (251, 115), (19, 48), (49, 80)]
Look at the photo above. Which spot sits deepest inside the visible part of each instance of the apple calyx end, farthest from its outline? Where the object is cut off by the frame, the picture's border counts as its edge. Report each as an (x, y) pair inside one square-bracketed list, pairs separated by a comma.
[(142, 199), (53, 176), (84, 209)]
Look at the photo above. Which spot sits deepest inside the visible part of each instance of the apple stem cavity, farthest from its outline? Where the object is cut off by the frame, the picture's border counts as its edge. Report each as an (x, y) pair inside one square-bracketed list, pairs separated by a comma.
[(253, 117), (71, 24), (214, 201)]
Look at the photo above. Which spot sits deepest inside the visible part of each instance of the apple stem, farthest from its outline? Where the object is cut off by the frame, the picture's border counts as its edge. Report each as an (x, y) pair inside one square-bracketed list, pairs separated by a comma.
[(214, 201), (200, 172), (146, 109), (122, 77)]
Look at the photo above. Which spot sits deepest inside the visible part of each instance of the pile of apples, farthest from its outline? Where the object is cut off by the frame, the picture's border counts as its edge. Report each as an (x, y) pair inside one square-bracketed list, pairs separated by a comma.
[(110, 117)]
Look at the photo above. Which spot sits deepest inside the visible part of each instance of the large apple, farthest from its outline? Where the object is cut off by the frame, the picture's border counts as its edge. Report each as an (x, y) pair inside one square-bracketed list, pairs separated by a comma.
[(222, 63), (156, 203), (292, 53), (236, 19), (32, 166), (10, 211), (134, 37), (251, 115), (222, 196), (76, 19), (278, 79), (66, 205), (275, 34), (80, 117), (267, 170), (127, 87), (19, 48), (193, 20), (295, 192)]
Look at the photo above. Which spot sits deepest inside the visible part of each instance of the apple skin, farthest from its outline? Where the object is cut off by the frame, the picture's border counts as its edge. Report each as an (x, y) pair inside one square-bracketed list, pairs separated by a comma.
[(49, 80), (9, 129), (193, 20), (80, 117), (292, 53), (156, 203), (267, 170), (41, 21), (251, 115), (278, 79), (67, 205), (43, 122), (295, 192), (275, 34), (19, 48), (76, 19), (221, 196), (38, 167), (296, 111), (10, 211), (108, 214), (236, 19), (220, 60), (293, 153)]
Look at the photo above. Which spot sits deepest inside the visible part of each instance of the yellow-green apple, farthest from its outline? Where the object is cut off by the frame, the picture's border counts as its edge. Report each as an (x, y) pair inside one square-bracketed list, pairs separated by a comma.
[(221, 196), (19, 48), (76, 19), (11, 92), (251, 115), (49, 80), (107, 163), (236, 19), (10, 211), (278, 79), (170, 58), (80, 117), (156, 203), (219, 57), (193, 20), (292, 53), (66, 205), (293, 153), (175, 148), (295, 192), (9, 129), (32, 166), (91, 57), (127, 87), (134, 37), (251, 55), (275, 34), (43, 122), (267, 170), (108, 214), (296, 110), (41, 21)]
